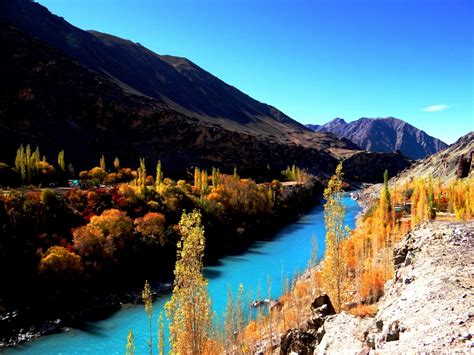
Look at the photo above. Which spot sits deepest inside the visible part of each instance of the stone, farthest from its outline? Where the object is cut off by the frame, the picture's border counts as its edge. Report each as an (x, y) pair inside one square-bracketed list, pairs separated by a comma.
[(297, 341), (393, 332), (322, 306)]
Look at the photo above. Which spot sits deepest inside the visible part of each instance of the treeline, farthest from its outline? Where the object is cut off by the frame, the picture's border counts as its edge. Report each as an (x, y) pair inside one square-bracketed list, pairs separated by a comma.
[(32, 168), (74, 245), (358, 262)]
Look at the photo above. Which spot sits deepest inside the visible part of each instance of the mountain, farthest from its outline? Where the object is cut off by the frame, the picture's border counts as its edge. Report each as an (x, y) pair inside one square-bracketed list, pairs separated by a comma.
[(313, 127), (445, 164), (384, 135), (91, 93), (178, 82)]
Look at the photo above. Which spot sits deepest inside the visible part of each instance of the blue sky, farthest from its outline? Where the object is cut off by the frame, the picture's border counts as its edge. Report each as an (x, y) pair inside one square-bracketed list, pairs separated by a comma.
[(315, 60)]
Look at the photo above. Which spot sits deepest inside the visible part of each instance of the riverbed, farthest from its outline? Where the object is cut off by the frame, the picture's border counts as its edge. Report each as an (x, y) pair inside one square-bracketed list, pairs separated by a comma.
[(282, 257)]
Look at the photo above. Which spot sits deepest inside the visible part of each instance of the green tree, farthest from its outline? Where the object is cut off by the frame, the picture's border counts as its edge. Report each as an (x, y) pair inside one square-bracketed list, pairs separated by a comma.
[(147, 297), (334, 213), (189, 309)]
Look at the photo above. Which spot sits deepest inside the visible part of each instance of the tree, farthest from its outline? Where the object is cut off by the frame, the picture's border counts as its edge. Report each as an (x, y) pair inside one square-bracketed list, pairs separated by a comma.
[(386, 192), (147, 298), (189, 309), (60, 262), (117, 163), (152, 227), (197, 179), (334, 213), (130, 348), (161, 335), (61, 161), (102, 163), (104, 237), (141, 178), (159, 175)]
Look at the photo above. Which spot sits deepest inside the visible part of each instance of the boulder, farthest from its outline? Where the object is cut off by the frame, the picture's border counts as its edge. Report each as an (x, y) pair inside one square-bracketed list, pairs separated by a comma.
[(322, 306), (298, 341)]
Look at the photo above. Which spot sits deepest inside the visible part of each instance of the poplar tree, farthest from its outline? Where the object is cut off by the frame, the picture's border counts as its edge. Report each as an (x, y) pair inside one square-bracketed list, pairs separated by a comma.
[(386, 191), (141, 177), (159, 175), (189, 309), (102, 162), (147, 298), (204, 182), (215, 177), (130, 348), (61, 161), (161, 335), (334, 213), (197, 178), (28, 162), (117, 163)]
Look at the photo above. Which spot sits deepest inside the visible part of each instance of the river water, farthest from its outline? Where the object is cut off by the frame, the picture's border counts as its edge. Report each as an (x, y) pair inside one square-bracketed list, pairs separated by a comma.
[(284, 256)]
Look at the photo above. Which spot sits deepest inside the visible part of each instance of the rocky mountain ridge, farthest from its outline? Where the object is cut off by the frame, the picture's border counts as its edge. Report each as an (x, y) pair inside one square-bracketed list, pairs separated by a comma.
[(50, 100), (384, 135)]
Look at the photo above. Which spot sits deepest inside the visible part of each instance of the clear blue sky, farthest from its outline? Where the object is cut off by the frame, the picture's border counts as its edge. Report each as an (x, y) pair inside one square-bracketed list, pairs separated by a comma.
[(315, 60)]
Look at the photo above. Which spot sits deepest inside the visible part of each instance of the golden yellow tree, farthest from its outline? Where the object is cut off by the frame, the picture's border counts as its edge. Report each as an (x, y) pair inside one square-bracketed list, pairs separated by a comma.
[(334, 212), (147, 298), (189, 310), (130, 348), (161, 335)]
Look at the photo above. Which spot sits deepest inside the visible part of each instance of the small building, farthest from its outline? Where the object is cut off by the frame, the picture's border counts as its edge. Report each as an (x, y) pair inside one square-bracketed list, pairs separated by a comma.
[(73, 183)]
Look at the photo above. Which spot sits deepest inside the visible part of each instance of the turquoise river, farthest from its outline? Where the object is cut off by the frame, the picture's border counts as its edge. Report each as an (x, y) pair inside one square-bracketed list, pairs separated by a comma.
[(284, 256)]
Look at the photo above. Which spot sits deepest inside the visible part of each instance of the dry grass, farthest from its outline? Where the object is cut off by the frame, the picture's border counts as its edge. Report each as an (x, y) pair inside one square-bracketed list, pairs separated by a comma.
[(363, 310)]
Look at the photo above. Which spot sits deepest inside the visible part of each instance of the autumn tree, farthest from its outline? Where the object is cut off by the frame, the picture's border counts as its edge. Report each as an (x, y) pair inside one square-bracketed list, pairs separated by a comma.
[(386, 193), (161, 335), (159, 175), (102, 163), (59, 261), (147, 298), (197, 179), (104, 237), (334, 213), (152, 227), (117, 163), (141, 178), (189, 309), (130, 348), (61, 161)]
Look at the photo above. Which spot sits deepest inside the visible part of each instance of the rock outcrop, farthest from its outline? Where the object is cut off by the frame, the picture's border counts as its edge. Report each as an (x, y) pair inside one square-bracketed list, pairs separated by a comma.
[(428, 306)]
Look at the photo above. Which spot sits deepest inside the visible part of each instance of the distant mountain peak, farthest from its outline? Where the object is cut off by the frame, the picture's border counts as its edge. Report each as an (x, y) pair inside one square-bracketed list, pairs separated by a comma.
[(337, 120), (387, 134)]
